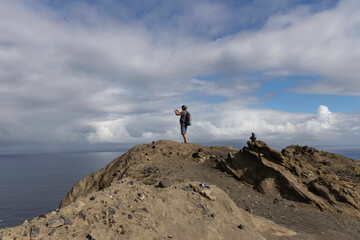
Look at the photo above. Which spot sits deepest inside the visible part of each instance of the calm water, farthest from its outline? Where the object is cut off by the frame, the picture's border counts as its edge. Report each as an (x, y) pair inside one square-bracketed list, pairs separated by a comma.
[(34, 184)]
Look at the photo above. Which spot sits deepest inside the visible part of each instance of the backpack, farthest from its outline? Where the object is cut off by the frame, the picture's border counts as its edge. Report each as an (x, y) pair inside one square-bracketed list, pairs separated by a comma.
[(188, 119)]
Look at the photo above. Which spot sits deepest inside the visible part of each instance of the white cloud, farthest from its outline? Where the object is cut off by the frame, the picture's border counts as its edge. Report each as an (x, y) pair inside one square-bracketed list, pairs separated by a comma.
[(97, 78), (223, 124)]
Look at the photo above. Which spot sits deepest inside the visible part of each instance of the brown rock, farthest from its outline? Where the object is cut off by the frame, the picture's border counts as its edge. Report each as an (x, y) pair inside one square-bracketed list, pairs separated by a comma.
[(165, 183), (194, 187), (208, 194), (268, 186)]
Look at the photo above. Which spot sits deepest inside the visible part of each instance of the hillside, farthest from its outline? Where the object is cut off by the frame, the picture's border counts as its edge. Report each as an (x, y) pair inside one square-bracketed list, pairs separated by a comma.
[(298, 193)]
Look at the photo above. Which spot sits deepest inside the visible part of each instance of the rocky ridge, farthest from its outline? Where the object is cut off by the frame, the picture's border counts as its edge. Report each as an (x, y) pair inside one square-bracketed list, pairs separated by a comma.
[(129, 209), (309, 192), (327, 181)]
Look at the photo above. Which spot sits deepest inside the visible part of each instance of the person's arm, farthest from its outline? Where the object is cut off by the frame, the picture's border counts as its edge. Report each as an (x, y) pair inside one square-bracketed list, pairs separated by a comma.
[(177, 112)]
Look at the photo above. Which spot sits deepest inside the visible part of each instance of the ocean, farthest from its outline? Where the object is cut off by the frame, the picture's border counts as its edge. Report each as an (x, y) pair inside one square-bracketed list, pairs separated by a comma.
[(34, 184)]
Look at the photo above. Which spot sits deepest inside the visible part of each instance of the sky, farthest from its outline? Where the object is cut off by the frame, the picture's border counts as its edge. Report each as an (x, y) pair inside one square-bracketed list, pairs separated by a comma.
[(101, 74)]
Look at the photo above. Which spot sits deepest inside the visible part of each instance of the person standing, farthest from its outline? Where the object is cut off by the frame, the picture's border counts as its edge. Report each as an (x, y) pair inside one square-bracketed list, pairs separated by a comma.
[(184, 121)]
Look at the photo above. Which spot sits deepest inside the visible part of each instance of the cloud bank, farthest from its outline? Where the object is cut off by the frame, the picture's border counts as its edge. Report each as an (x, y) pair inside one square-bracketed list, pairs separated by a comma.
[(110, 72)]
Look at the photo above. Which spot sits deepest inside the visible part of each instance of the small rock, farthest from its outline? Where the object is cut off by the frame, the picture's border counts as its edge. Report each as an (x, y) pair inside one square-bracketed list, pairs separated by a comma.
[(213, 215), (82, 215), (207, 193), (111, 211), (206, 185), (194, 187), (52, 232), (92, 198), (131, 182), (199, 156), (249, 209), (130, 216), (55, 222), (66, 220), (90, 237), (241, 226), (145, 210), (116, 192), (41, 216), (165, 183), (141, 196), (34, 231), (124, 213), (122, 230)]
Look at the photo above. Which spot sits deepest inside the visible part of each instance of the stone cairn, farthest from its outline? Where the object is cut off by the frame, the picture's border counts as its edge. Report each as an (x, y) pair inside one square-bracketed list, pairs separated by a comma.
[(253, 137)]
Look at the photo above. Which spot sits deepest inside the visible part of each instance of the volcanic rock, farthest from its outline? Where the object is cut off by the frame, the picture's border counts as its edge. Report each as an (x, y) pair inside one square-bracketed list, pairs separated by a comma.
[(169, 207)]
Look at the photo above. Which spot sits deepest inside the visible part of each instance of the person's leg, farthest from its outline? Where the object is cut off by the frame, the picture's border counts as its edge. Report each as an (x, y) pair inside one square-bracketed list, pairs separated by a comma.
[(183, 132), (185, 138)]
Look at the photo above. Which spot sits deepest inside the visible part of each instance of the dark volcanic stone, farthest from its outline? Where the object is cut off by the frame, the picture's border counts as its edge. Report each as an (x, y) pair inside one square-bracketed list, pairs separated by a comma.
[(66, 220), (92, 198), (165, 183), (249, 209), (34, 231), (112, 211), (241, 226), (52, 232), (55, 222), (90, 237), (82, 215)]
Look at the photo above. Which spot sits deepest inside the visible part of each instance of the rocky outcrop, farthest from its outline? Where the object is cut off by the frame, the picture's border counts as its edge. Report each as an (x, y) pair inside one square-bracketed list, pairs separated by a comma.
[(327, 181), (129, 209), (140, 161), (165, 191)]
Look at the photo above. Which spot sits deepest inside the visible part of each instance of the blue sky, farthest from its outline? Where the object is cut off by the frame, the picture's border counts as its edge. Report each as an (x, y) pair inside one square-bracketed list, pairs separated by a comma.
[(90, 74)]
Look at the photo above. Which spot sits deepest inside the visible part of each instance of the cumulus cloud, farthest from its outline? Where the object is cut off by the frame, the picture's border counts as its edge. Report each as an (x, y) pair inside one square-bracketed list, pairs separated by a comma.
[(226, 123), (107, 72)]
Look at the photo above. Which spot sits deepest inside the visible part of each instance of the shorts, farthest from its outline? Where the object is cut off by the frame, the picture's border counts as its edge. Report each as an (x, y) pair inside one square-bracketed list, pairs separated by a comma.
[(183, 128)]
